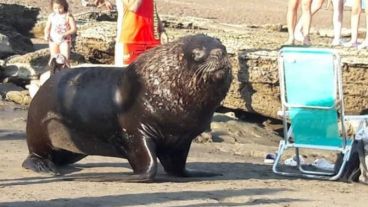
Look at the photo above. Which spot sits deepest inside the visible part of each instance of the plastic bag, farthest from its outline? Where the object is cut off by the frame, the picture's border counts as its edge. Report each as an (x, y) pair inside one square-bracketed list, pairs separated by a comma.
[(362, 137)]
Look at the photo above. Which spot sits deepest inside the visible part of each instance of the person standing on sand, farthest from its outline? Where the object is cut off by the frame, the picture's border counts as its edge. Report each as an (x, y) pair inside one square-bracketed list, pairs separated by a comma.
[(138, 28), (291, 19), (338, 7)]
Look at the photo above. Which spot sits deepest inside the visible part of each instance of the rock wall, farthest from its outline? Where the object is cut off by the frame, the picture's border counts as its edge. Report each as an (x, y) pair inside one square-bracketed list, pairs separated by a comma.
[(96, 41), (21, 18), (256, 88), (16, 22), (253, 51)]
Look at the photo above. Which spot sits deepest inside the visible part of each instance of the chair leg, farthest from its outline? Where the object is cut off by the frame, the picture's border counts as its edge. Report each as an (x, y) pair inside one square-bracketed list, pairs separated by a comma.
[(307, 173), (280, 151)]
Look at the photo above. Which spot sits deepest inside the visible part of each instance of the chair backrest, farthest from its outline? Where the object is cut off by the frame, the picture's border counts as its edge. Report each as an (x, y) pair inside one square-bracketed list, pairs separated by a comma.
[(310, 84)]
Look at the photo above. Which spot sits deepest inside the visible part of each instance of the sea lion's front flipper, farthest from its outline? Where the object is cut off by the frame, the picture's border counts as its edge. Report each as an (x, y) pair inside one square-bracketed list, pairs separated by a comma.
[(142, 157), (40, 165), (174, 161)]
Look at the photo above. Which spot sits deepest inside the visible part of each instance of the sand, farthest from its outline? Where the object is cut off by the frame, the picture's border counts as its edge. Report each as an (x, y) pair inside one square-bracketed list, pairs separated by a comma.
[(236, 152)]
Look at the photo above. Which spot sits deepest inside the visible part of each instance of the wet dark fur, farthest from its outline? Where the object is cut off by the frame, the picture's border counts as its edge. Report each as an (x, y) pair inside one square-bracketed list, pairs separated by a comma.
[(165, 99)]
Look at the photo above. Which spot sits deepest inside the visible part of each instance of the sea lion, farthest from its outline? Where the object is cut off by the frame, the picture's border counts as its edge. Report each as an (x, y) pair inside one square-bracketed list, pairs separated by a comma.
[(152, 109)]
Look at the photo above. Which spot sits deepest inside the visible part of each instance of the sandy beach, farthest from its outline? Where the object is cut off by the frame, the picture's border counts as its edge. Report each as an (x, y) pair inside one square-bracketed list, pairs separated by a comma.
[(236, 151)]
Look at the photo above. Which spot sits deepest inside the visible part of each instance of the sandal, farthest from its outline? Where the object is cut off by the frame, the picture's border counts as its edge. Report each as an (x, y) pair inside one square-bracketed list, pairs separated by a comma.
[(337, 42), (307, 41), (363, 45), (351, 44), (298, 35)]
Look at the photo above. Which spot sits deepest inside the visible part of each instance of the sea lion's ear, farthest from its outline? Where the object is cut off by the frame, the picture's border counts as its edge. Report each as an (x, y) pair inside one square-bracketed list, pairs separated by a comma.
[(198, 54)]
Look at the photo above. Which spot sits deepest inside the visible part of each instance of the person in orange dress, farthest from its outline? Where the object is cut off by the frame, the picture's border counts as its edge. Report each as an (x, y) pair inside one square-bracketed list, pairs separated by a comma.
[(138, 28)]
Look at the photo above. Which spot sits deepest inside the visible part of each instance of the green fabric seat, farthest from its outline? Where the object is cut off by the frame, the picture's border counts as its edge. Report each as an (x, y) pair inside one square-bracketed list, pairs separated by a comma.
[(310, 80)]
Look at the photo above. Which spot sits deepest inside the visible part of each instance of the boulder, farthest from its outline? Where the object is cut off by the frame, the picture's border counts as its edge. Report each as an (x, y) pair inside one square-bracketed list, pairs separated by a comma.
[(96, 41), (110, 16), (19, 97), (31, 65), (7, 87), (256, 88), (21, 18), (12, 42)]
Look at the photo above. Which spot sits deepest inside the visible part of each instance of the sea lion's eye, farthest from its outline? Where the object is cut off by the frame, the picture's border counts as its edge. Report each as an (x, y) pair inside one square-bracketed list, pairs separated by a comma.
[(198, 54)]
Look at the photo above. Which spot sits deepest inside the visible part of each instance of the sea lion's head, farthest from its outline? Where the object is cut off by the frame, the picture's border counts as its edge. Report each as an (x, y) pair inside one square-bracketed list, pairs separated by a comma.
[(206, 57), (190, 60)]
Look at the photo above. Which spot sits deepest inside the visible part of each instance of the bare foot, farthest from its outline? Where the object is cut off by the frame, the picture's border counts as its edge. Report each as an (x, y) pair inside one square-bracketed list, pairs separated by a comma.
[(298, 35), (351, 44), (289, 42), (336, 42)]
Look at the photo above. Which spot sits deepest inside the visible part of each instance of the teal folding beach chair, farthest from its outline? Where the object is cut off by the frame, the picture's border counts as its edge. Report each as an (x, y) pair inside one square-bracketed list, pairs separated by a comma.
[(312, 108)]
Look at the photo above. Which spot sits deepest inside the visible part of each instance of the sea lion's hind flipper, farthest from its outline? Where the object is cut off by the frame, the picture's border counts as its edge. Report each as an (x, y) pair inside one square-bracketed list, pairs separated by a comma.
[(40, 165)]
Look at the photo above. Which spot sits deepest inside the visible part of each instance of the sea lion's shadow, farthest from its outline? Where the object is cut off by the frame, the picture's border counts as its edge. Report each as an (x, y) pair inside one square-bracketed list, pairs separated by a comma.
[(229, 171), (77, 167), (226, 171)]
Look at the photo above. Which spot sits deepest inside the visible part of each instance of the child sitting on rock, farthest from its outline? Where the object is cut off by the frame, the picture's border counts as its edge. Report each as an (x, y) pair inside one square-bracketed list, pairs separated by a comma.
[(59, 29)]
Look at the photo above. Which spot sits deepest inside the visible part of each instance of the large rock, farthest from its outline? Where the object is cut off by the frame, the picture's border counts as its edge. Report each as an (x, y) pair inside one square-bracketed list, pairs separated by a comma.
[(21, 18), (12, 42), (31, 65), (7, 87), (96, 41), (16, 22), (256, 88), (252, 49)]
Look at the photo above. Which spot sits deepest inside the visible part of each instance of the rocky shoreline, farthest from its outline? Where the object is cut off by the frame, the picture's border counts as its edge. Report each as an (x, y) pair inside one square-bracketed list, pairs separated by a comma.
[(253, 50), (239, 140)]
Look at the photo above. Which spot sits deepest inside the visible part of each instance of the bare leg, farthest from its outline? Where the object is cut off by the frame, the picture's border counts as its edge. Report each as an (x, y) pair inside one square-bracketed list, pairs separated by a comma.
[(316, 6), (291, 19), (365, 42), (355, 16), (54, 49), (338, 7), (306, 18), (65, 51)]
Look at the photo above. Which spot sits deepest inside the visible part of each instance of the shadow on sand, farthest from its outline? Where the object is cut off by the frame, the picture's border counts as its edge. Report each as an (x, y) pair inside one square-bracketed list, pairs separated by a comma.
[(200, 198), (227, 171)]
